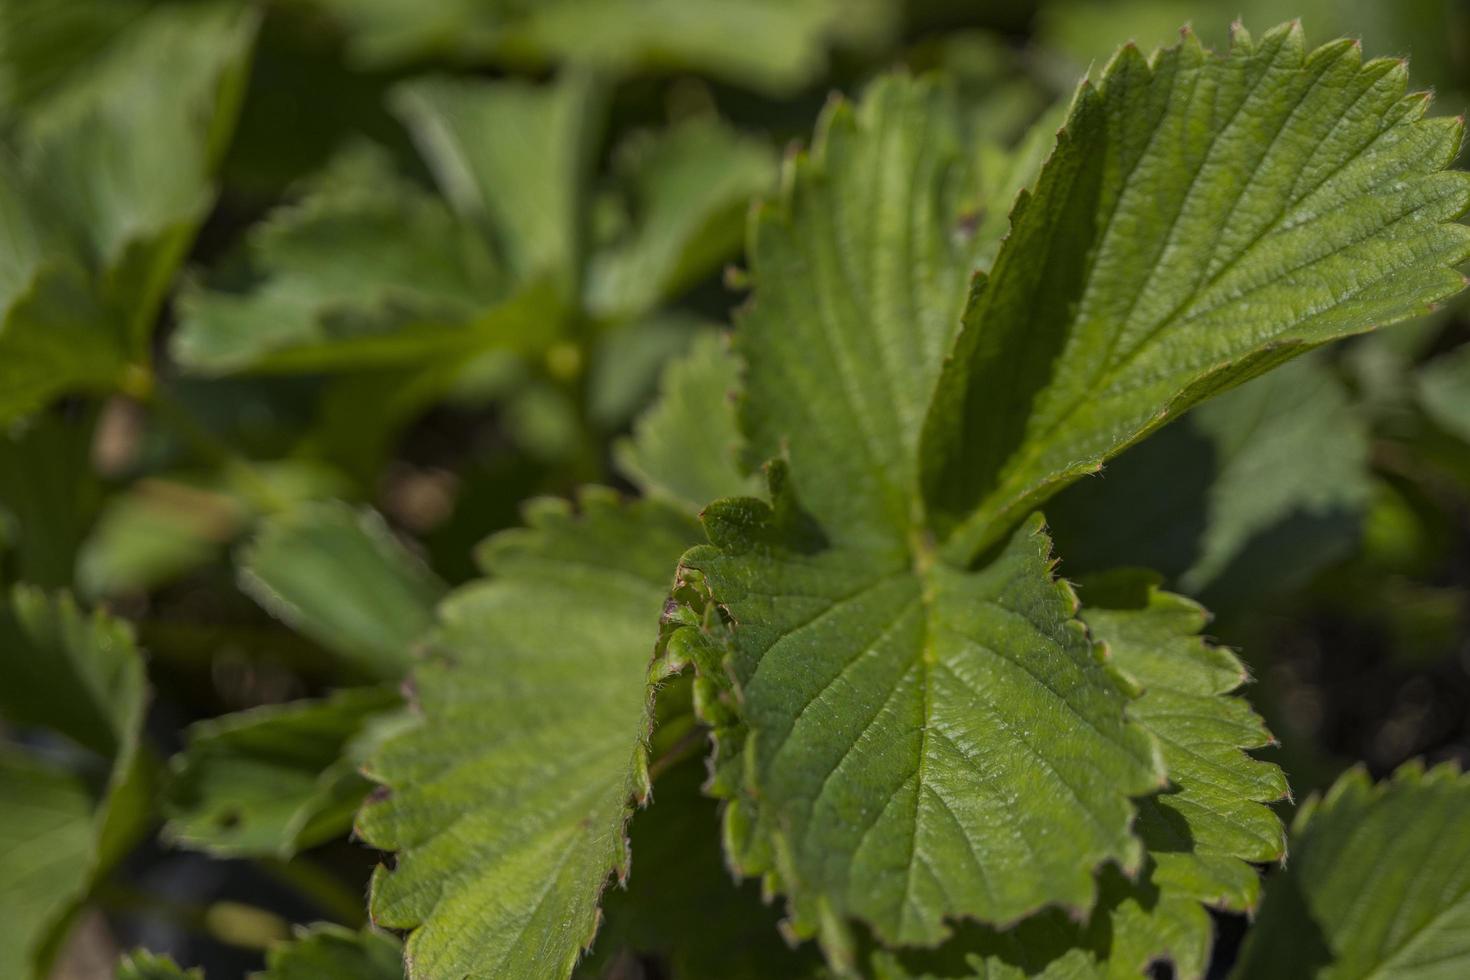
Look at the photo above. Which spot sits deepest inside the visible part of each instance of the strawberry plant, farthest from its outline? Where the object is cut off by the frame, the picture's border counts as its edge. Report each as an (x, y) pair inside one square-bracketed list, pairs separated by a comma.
[(448, 461)]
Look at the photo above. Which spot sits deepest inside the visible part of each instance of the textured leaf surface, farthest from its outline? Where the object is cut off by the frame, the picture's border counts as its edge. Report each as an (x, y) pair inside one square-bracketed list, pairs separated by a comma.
[(325, 950), (889, 709), (81, 677), (924, 744), (684, 449), (1200, 833), (1202, 218), (1212, 821), (340, 577), (365, 267), (275, 780), (1378, 885), (507, 804), (1247, 495)]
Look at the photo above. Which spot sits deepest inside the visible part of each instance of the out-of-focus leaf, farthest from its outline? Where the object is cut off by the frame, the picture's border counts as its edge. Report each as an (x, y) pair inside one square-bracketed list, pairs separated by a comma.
[(45, 43), (339, 576), (627, 361), (685, 448), (507, 803), (81, 677), (1378, 885), (688, 187), (143, 965), (111, 178), (681, 907), (275, 780), (1443, 387), (126, 152), (329, 952), (1247, 496), (773, 45), (365, 269), (159, 529), (50, 492), (482, 139)]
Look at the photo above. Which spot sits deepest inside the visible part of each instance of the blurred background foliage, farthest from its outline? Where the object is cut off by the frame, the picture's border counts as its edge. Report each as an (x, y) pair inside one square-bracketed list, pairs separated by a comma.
[(317, 292)]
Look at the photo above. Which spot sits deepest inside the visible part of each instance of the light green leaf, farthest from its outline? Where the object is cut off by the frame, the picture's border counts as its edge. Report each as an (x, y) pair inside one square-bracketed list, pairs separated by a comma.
[(924, 743), (482, 138), (773, 45), (275, 780), (859, 274), (111, 179), (326, 950), (82, 677), (125, 154), (366, 268), (340, 577), (1247, 496), (507, 805), (1378, 885), (628, 360), (688, 189), (1443, 388), (143, 965), (1202, 219), (1212, 823), (684, 448), (47, 840)]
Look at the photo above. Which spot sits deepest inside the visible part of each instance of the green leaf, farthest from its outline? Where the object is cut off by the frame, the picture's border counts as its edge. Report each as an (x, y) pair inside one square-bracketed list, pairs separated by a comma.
[(1212, 823), (507, 804), (1247, 496), (688, 190), (680, 909), (339, 576), (80, 676), (1201, 833), (325, 950), (773, 45), (898, 715), (365, 269), (1135, 925), (45, 43), (143, 965), (47, 840), (275, 780), (1443, 388), (864, 680), (111, 179), (684, 448), (480, 138), (860, 272), (1202, 219), (1378, 885), (126, 153), (50, 492)]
